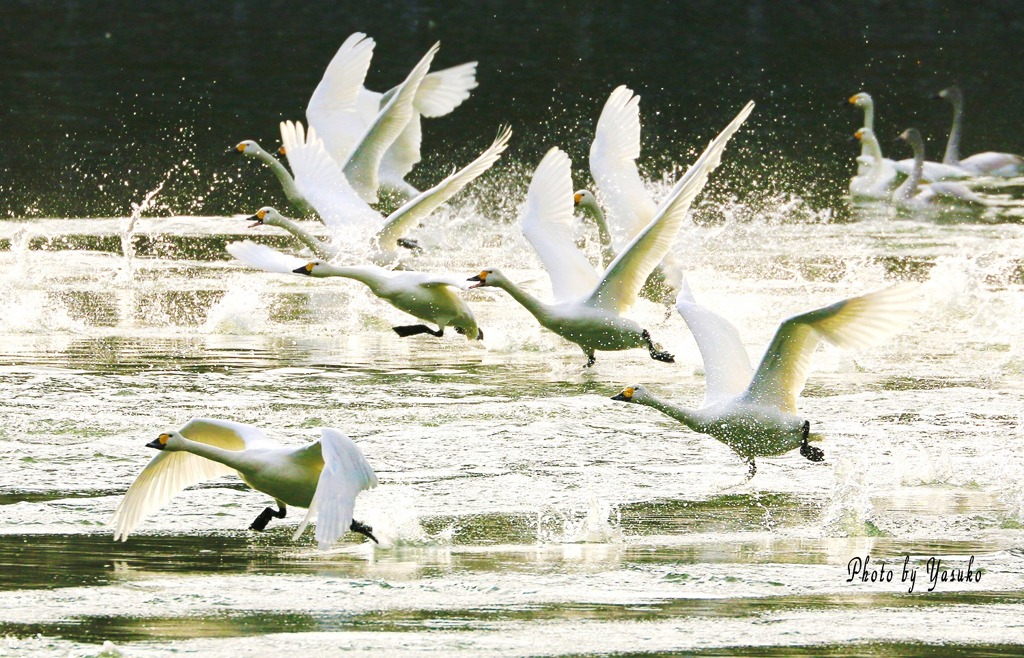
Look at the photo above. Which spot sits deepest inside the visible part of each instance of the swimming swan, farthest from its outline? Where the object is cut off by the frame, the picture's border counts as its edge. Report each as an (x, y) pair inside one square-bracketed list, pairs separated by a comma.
[(755, 413), (876, 180), (426, 296), (324, 476), (911, 195), (341, 109), (587, 309), (988, 163), (932, 171), (352, 221)]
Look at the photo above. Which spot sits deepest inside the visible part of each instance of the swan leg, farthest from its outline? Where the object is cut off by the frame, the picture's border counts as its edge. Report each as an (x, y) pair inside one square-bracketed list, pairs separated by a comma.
[(806, 449), (363, 529), (410, 244), (462, 332), (264, 518), (752, 470), (653, 348), (413, 329), (591, 358)]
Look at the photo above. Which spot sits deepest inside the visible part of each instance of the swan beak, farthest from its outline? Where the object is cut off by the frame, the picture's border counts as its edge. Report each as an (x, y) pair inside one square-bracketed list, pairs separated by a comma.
[(481, 279), (157, 443), (626, 395), (256, 221), (236, 149), (576, 198), (306, 269), (621, 397)]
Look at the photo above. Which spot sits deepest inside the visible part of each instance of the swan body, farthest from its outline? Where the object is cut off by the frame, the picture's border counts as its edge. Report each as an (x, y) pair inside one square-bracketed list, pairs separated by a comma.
[(588, 307), (351, 221), (342, 109), (989, 163), (323, 476), (911, 195), (430, 297), (876, 181), (755, 413)]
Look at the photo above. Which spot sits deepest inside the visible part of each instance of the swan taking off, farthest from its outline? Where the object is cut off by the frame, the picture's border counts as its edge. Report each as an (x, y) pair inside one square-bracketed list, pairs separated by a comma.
[(430, 297), (323, 476), (755, 413), (588, 306)]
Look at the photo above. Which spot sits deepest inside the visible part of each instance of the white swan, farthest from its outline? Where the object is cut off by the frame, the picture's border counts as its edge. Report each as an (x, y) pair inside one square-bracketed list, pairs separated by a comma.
[(341, 109), (324, 476), (755, 413), (364, 154), (587, 309), (426, 296), (252, 149), (613, 155), (877, 179), (932, 171), (352, 222), (988, 163), (911, 195)]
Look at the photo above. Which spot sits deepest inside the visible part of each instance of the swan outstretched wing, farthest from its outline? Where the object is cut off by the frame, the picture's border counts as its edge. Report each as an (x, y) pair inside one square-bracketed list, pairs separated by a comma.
[(321, 181), (852, 323), (443, 91), (169, 473), (414, 210), (727, 369), (264, 258), (626, 274), (613, 157), (547, 220), (361, 168), (346, 473), (332, 108)]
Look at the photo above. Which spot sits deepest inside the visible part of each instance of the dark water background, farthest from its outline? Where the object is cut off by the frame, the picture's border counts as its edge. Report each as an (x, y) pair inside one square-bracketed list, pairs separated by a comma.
[(103, 100)]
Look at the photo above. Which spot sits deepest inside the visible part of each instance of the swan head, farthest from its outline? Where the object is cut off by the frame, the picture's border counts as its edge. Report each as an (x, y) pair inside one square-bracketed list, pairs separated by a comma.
[(951, 94), (911, 136), (167, 441), (265, 215), (585, 199), (487, 277), (248, 147), (865, 135), (863, 99), (635, 394), (312, 268)]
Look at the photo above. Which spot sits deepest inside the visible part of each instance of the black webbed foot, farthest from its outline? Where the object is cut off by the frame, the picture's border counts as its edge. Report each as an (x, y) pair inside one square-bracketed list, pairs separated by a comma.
[(807, 450), (414, 329), (410, 244), (363, 529), (654, 349), (269, 513)]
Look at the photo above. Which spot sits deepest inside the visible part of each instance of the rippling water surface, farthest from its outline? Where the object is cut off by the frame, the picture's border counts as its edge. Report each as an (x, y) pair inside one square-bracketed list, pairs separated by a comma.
[(520, 510)]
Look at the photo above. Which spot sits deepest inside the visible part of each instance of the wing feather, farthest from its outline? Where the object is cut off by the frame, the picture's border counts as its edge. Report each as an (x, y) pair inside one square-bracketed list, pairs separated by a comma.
[(547, 219), (332, 108), (169, 473), (613, 157), (443, 91), (418, 208), (361, 168), (346, 472), (264, 258), (624, 277), (852, 323), (727, 369)]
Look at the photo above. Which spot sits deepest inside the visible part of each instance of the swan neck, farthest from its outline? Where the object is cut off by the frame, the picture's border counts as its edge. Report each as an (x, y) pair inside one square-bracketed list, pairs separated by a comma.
[(362, 274), (287, 182), (305, 237), (525, 299), (684, 415), (229, 458), (952, 155), (603, 232), (869, 123), (874, 151), (909, 186)]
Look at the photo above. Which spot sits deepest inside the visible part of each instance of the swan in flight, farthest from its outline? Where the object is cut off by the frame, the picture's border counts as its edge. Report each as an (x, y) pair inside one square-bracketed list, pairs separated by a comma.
[(613, 155), (867, 162), (254, 150), (349, 219), (362, 161), (588, 306), (341, 109), (755, 413), (429, 297), (323, 476), (988, 163), (912, 195)]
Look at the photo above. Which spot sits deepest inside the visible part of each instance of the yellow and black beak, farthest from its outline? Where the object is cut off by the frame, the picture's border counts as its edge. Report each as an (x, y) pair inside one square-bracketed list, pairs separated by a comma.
[(282, 151), (257, 219), (236, 149), (481, 279), (625, 396), (306, 269), (576, 198), (159, 442)]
